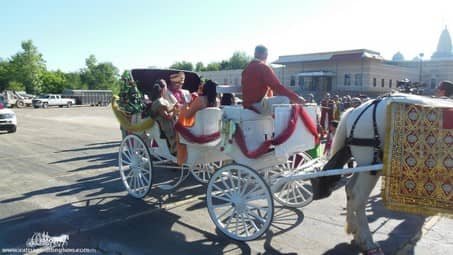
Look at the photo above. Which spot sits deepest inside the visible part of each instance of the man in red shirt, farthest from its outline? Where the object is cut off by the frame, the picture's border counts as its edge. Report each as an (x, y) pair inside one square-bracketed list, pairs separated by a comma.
[(259, 84)]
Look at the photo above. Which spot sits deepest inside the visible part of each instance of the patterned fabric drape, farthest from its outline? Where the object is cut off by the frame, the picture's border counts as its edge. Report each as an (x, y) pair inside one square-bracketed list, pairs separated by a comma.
[(418, 159)]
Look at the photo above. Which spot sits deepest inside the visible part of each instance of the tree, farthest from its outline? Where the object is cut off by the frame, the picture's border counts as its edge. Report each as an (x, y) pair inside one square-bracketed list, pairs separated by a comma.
[(183, 65), (88, 74), (99, 75), (224, 65), (14, 85), (4, 75), (199, 67), (74, 81), (107, 76), (239, 60), (27, 67), (214, 66), (53, 82)]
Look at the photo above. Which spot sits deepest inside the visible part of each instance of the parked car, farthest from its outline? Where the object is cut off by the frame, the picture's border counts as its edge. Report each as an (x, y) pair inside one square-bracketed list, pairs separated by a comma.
[(8, 119), (47, 100)]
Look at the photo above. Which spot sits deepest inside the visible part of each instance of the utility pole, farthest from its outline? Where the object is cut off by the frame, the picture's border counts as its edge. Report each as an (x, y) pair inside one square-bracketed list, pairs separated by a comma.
[(421, 64)]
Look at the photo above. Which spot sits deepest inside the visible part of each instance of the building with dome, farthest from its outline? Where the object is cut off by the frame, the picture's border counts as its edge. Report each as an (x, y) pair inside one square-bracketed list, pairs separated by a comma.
[(398, 57), (360, 71)]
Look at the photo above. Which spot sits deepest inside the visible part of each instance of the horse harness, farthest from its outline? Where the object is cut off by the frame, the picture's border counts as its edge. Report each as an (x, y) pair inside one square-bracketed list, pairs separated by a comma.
[(368, 142)]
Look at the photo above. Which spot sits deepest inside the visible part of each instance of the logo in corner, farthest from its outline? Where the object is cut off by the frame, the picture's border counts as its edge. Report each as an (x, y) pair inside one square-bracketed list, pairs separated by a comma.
[(43, 240)]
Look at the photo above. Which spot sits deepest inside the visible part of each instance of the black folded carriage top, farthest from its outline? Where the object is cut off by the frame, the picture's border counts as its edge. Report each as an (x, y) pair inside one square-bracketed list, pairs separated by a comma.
[(145, 78)]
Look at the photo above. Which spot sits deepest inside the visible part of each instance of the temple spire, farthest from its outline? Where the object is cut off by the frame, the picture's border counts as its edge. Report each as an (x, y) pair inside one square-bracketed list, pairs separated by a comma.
[(444, 46)]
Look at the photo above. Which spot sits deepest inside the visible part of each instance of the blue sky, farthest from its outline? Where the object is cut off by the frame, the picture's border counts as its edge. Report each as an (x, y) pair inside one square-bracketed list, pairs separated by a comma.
[(139, 33)]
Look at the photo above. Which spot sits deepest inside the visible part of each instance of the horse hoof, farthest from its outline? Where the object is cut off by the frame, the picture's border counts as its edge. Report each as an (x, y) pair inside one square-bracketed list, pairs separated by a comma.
[(375, 251)]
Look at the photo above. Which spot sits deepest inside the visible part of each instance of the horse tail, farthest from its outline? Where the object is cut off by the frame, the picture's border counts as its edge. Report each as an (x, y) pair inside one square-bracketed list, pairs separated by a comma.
[(340, 155)]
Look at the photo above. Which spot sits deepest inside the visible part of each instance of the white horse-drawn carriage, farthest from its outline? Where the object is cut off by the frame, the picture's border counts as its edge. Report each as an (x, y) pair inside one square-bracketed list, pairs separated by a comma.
[(239, 153), (246, 159)]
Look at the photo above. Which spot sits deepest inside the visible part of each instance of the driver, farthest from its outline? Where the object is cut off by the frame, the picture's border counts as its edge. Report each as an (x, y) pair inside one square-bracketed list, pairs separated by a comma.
[(259, 84)]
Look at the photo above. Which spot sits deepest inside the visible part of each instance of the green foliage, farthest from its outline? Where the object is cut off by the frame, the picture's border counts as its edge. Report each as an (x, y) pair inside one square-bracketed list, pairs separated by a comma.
[(199, 67), (26, 70), (15, 85), (225, 65), (183, 65), (238, 61), (99, 75), (53, 82), (27, 67), (4, 74), (74, 81), (214, 66)]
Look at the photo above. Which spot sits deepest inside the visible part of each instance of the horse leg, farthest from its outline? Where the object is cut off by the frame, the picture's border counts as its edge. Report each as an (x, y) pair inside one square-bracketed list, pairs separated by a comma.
[(351, 227), (358, 192)]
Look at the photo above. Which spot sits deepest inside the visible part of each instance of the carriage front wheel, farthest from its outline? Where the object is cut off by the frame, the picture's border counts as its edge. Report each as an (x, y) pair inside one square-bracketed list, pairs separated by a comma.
[(135, 166), (239, 202)]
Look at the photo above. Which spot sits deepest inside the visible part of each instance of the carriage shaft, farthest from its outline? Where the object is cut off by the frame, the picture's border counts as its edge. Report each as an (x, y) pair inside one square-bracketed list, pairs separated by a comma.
[(310, 175)]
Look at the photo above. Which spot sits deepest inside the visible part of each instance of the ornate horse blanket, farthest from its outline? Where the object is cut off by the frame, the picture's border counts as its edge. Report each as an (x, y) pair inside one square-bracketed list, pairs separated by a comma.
[(418, 159)]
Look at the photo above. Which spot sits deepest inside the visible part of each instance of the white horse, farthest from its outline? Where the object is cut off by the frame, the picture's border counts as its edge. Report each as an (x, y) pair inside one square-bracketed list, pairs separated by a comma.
[(360, 185)]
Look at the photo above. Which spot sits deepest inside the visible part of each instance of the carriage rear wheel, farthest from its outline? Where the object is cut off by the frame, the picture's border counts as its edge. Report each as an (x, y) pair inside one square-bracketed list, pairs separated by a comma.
[(239, 202), (294, 194), (203, 172), (135, 166)]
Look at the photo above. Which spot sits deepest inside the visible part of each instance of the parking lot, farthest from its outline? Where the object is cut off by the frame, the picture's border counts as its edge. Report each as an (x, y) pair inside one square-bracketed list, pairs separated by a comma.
[(59, 175)]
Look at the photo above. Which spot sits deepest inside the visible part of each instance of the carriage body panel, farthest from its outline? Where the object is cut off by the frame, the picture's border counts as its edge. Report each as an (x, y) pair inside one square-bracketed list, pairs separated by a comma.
[(207, 122), (301, 139)]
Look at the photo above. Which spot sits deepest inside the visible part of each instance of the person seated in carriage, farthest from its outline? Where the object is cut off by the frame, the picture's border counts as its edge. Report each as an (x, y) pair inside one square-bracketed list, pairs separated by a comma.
[(163, 112), (176, 95), (260, 84), (207, 98)]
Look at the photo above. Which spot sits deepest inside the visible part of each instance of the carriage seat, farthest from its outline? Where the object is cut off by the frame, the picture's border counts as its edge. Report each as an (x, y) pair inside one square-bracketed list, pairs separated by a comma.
[(256, 127), (207, 122)]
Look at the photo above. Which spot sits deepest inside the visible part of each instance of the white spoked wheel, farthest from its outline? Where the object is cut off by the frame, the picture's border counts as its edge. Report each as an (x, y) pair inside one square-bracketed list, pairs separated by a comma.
[(203, 172), (239, 202), (135, 166), (294, 194)]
